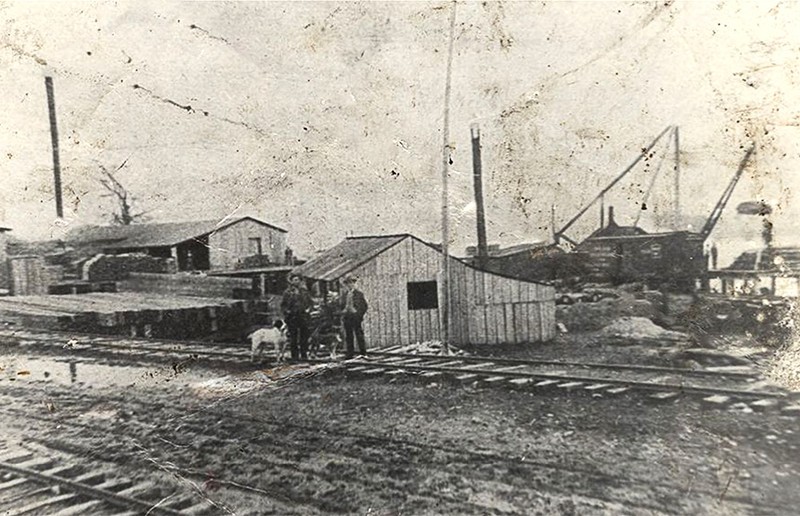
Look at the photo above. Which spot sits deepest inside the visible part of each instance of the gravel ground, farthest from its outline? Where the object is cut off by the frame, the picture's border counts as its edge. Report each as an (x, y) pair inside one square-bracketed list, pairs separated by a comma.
[(303, 440)]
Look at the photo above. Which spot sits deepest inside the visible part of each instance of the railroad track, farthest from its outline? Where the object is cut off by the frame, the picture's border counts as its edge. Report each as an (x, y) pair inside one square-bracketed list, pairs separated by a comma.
[(38, 482), (731, 388), (130, 346)]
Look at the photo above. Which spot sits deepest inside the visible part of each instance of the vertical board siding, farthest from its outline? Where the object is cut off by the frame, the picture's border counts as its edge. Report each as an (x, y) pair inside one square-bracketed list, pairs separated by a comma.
[(484, 308)]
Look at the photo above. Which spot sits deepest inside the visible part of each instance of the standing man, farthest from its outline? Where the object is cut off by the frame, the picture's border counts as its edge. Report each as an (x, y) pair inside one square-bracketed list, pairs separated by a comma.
[(354, 306), (295, 305)]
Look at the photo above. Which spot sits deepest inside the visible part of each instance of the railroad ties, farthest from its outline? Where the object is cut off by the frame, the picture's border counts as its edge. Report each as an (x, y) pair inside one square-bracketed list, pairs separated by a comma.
[(736, 389), (35, 482)]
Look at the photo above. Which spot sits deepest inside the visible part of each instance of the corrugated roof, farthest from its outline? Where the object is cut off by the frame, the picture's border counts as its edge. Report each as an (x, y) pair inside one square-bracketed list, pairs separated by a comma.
[(342, 258), (151, 235)]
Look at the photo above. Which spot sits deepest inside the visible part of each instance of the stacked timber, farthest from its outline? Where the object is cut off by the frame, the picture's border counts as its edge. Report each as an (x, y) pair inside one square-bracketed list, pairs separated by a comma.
[(131, 314)]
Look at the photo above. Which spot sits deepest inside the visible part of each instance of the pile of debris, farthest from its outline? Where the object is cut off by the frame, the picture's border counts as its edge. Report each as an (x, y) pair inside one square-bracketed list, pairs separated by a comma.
[(785, 367), (429, 347), (236, 385), (640, 328), (595, 316)]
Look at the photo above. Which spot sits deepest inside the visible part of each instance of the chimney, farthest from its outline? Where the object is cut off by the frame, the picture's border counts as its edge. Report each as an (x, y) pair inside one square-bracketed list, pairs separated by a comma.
[(477, 177), (611, 221), (51, 107)]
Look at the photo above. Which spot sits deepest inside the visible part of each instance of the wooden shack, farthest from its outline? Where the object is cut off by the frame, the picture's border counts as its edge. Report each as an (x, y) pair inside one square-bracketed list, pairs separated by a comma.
[(623, 254), (195, 245), (400, 277)]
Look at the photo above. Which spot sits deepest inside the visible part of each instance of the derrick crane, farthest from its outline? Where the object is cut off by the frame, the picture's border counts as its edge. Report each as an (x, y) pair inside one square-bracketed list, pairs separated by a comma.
[(716, 213)]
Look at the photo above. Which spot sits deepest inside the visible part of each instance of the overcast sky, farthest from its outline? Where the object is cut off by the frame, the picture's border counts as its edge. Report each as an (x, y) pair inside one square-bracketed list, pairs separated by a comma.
[(326, 118)]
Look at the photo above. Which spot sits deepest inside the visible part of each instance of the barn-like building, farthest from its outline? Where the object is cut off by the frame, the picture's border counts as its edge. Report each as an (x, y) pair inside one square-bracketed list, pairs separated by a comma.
[(400, 277), (621, 254), (195, 245)]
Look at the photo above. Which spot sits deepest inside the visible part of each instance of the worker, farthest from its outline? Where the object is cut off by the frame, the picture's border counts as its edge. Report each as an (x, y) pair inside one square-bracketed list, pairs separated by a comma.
[(295, 305), (354, 306)]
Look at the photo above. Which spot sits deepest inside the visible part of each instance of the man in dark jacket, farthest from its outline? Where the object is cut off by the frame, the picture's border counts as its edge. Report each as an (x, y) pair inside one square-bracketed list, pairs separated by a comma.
[(354, 306), (295, 305)]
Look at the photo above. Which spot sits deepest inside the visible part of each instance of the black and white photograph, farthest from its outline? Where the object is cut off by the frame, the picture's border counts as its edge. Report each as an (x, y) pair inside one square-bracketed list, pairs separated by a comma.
[(392, 258)]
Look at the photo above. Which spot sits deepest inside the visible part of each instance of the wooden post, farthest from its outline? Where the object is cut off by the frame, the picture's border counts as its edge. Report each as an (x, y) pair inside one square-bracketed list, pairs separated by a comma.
[(677, 180)]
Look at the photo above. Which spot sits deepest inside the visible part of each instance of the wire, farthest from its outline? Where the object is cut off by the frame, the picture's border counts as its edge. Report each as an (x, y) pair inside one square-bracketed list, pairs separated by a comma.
[(655, 176)]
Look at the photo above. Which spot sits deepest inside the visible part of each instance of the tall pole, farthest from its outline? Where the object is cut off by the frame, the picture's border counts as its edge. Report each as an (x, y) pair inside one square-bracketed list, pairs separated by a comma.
[(51, 106), (446, 157), (477, 179), (677, 180)]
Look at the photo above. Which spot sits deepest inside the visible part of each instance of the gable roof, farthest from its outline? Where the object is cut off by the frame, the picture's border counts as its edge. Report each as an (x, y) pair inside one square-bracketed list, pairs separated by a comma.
[(345, 256), (613, 230), (353, 252), (152, 235)]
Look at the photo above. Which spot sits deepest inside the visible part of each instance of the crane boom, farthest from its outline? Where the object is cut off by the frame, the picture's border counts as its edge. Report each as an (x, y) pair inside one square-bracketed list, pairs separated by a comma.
[(560, 233), (716, 213)]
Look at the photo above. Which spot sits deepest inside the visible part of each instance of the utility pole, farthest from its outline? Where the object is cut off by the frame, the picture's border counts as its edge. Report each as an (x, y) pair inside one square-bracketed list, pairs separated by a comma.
[(677, 181), (446, 157), (51, 106)]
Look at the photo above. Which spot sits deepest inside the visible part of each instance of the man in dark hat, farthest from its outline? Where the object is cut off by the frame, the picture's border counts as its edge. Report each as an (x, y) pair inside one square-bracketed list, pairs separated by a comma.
[(295, 305), (354, 306)]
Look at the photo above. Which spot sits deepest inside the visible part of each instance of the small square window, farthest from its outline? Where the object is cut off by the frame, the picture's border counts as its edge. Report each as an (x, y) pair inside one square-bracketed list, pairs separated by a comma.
[(422, 295), (655, 250), (255, 246)]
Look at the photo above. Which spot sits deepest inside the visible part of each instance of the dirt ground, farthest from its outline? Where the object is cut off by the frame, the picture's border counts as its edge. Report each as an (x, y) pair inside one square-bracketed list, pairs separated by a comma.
[(308, 440)]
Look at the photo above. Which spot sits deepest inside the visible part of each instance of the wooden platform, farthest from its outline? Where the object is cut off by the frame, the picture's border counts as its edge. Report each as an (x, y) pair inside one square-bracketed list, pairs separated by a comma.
[(130, 313)]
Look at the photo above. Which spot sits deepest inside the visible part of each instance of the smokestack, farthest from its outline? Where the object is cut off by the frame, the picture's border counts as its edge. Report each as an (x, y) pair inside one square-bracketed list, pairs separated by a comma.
[(602, 213), (611, 221), (477, 176), (51, 106)]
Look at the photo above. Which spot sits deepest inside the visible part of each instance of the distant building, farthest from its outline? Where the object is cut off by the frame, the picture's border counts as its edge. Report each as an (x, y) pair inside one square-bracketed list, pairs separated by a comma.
[(770, 271), (532, 262), (5, 285), (400, 276), (622, 254), (198, 245)]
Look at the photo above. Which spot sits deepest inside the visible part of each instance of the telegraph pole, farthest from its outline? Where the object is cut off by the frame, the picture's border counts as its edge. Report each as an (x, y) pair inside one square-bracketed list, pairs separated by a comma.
[(446, 157), (677, 180)]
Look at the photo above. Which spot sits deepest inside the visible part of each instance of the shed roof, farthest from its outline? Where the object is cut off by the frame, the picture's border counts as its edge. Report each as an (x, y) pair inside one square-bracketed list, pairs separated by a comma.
[(152, 235), (345, 256)]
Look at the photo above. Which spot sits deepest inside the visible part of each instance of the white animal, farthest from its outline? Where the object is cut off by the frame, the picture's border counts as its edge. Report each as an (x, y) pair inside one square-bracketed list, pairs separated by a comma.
[(275, 336)]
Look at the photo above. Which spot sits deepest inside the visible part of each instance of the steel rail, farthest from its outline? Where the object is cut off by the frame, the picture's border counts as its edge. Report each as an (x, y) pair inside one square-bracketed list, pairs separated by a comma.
[(118, 500), (585, 365), (567, 378)]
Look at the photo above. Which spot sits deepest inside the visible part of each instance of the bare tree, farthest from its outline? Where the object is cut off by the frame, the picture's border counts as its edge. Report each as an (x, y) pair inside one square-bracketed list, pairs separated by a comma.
[(125, 215)]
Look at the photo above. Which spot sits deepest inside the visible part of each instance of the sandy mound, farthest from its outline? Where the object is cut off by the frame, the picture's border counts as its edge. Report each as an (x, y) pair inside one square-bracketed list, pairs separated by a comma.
[(594, 316), (639, 328)]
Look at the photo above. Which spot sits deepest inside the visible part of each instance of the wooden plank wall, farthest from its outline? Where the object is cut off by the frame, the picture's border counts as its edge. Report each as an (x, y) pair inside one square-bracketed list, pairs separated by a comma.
[(485, 307), (493, 309), (28, 276), (229, 245)]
